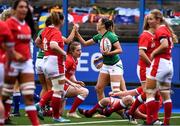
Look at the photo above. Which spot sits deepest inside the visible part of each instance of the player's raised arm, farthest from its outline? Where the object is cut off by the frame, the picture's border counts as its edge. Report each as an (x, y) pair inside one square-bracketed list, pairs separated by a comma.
[(84, 42)]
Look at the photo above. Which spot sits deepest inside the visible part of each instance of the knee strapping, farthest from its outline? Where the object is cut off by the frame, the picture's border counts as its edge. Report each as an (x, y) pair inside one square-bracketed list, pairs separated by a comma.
[(9, 101), (27, 88), (115, 86), (165, 89), (56, 86), (7, 90)]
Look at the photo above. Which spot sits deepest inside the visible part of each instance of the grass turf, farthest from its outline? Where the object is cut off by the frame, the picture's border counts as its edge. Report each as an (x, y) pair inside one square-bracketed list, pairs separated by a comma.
[(113, 120)]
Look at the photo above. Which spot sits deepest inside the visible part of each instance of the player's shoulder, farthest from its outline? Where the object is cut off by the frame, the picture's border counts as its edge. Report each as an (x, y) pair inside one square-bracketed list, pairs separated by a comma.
[(111, 34), (4, 26), (147, 33), (69, 58), (161, 28), (10, 20)]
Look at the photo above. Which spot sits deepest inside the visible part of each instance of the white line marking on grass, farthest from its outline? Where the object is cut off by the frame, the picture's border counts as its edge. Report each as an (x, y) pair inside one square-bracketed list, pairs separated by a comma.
[(97, 122), (80, 123)]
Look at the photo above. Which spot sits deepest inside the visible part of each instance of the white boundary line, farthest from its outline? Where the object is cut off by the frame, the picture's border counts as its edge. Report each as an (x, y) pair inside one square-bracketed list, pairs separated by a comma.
[(97, 122), (94, 122), (81, 123)]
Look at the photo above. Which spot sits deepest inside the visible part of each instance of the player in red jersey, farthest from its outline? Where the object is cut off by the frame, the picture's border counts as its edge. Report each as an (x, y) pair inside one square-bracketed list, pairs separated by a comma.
[(5, 45), (76, 90), (46, 84), (107, 106), (146, 45), (53, 46), (21, 67), (159, 77)]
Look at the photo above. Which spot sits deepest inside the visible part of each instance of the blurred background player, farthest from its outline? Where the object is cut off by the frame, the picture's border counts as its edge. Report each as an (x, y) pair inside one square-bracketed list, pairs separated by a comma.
[(6, 45), (21, 66), (158, 77)]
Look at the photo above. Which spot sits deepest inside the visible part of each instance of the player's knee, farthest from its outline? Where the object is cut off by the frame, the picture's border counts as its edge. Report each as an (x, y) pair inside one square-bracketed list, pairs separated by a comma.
[(150, 92), (28, 99), (104, 101), (85, 92), (99, 89), (7, 90), (27, 88)]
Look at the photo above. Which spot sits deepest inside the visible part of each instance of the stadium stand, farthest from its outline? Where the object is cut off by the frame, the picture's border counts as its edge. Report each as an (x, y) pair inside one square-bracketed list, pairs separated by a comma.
[(125, 14)]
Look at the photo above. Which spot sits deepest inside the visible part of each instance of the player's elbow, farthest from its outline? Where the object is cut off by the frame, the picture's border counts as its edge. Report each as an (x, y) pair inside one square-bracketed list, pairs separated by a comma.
[(164, 43), (120, 50), (53, 46)]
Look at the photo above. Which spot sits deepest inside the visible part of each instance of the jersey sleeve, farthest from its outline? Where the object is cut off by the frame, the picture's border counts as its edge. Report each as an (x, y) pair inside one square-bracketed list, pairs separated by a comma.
[(161, 33), (97, 37), (113, 38), (7, 35), (143, 42), (139, 90), (68, 64), (57, 37)]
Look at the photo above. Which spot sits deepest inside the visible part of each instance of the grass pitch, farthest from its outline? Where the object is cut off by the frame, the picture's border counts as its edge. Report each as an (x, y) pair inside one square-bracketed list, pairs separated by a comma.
[(113, 120)]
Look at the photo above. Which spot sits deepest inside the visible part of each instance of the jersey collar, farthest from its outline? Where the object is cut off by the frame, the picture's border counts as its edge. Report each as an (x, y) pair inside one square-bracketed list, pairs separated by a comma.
[(20, 22)]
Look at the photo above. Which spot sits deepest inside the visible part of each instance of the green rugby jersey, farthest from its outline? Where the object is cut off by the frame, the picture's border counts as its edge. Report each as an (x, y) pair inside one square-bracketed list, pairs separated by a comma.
[(40, 54), (108, 60)]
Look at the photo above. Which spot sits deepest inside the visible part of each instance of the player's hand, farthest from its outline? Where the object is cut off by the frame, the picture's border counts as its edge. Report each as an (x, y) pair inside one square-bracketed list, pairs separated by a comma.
[(77, 85), (105, 52), (99, 65), (18, 56), (76, 27), (114, 94), (95, 60), (81, 83), (77, 34), (152, 56)]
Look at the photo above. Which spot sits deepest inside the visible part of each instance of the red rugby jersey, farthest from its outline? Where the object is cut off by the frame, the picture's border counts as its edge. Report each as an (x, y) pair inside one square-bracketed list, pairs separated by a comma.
[(21, 36)]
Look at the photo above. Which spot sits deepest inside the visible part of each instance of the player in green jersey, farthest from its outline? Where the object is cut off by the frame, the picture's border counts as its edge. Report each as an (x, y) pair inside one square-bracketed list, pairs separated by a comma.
[(112, 69)]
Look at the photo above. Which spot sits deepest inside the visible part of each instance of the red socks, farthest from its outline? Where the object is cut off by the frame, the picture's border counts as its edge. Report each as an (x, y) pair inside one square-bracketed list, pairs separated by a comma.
[(7, 107), (140, 99), (94, 109), (32, 115), (45, 98), (167, 111), (151, 110), (56, 104), (77, 101)]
